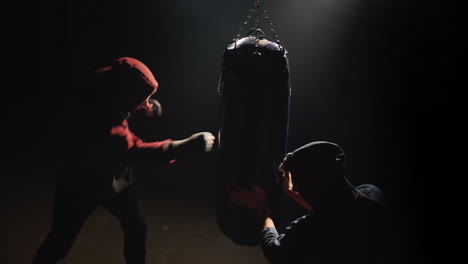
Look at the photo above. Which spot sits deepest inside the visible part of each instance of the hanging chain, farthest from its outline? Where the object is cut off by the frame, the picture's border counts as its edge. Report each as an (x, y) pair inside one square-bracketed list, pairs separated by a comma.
[(258, 6), (252, 11), (272, 29), (255, 11)]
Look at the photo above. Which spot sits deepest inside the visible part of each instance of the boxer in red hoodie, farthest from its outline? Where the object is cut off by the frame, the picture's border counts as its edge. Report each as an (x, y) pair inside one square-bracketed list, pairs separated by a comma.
[(97, 164)]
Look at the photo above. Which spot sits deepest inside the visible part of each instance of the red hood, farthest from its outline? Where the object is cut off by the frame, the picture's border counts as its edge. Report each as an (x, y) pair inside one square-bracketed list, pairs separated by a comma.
[(126, 83)]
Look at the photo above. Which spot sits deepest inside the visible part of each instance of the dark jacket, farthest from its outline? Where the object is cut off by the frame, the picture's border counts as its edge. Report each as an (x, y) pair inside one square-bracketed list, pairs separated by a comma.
[(351, 234)]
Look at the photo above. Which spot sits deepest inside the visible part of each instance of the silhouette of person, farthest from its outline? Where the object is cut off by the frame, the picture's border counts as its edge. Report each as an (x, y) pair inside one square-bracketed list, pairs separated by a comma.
[(343, 223), (99, 155)]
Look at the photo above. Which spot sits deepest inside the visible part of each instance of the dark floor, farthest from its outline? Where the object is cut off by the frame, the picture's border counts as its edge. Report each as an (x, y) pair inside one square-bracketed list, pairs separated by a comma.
[(178, 231)]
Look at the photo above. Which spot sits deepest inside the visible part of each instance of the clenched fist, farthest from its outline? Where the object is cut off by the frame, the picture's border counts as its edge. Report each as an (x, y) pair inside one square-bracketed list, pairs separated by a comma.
[(205, 138), (196, 143)]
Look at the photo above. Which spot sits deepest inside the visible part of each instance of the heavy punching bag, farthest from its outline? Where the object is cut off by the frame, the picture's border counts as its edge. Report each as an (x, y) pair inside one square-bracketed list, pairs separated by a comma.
[(255, 93)]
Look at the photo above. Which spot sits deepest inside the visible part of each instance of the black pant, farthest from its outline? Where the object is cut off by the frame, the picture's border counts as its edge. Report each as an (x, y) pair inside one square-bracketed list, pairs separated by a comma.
[(70, 211)]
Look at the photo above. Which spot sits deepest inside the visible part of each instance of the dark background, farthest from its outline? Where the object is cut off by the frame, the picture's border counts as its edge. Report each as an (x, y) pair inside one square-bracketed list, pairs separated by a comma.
[(380, 78)]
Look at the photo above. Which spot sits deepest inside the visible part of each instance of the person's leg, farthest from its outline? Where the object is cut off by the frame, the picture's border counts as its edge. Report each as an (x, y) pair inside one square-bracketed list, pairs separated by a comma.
[(69, 213), (126, 207)]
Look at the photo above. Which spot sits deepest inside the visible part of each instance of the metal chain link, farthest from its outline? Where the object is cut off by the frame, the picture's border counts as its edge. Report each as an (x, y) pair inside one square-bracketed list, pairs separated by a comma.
[(256, 12), (251, 11)]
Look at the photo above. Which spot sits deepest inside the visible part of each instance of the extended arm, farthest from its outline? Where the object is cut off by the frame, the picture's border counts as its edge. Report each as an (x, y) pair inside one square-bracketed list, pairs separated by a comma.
[(276, 247), (167, 150)]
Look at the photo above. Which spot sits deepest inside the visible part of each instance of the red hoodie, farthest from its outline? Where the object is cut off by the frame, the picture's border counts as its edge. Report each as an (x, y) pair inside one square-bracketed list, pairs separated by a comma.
[(95, 159)]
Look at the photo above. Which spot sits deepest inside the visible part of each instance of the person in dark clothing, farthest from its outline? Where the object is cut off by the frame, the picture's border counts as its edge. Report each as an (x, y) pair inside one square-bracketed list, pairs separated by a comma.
[(343, 223), (99, 155)]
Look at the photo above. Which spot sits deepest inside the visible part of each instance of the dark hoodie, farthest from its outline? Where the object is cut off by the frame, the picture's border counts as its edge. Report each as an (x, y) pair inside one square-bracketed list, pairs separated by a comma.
[(346, 224), (105, 146)]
